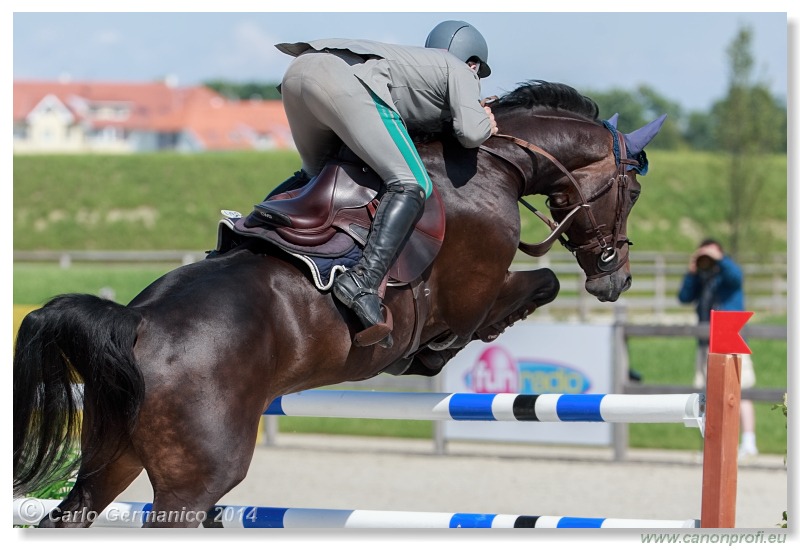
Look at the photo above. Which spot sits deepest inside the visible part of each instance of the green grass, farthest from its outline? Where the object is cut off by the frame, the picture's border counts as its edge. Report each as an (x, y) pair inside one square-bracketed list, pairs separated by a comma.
[(136, 202), (172, 201), (37, 283), (415, 429), (671, 360)]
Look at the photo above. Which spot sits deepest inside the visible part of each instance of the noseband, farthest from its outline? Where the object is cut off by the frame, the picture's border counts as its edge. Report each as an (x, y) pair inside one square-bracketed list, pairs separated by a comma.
[(602, 244)]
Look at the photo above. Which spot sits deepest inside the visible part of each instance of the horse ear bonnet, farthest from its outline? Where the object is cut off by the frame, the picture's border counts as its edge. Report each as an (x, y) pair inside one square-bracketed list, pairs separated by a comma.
[(638, 139)]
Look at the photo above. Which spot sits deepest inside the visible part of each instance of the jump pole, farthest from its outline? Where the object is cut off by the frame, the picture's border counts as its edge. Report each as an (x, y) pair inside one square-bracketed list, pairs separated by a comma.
[(509, 407), (29, 511), (721, 432)]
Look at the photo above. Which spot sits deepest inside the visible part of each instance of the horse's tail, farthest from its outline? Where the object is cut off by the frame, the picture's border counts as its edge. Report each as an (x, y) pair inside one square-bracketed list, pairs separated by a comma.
[(74, 338)]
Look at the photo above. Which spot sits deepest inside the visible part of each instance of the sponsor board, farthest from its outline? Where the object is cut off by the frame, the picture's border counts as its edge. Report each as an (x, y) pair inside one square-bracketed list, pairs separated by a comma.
[(534, 358)]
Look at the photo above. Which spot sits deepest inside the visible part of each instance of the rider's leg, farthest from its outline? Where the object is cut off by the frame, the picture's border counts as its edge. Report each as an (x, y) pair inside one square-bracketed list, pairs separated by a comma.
[(397, 214), (326, 103), (314, 140), (393, 156)]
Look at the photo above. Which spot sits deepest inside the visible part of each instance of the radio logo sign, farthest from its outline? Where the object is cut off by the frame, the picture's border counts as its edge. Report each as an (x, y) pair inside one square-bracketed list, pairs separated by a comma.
[(498, 371)]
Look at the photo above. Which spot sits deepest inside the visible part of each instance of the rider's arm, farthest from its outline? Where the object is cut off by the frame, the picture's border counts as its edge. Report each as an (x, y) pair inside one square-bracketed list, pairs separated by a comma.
[(730, 274), (471, 123), (690, 288)]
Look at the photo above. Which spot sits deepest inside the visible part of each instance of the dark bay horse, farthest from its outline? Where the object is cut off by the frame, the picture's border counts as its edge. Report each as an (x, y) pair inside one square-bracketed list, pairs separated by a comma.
[(176, 381)]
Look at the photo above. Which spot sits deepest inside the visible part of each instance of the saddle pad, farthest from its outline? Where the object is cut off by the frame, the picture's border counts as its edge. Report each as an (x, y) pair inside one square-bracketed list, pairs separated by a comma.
[(342, 251), (324, 270)]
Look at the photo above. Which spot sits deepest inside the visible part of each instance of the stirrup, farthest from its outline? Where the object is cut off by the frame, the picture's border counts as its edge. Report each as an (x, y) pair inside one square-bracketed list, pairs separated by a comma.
[(377, 334)]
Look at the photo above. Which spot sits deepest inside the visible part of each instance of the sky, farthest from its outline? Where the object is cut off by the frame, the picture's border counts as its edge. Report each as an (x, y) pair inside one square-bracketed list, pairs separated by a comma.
[(682, 55)]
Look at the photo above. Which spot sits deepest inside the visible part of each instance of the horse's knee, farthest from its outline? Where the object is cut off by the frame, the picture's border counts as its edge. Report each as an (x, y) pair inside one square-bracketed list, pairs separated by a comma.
[(547, 286)]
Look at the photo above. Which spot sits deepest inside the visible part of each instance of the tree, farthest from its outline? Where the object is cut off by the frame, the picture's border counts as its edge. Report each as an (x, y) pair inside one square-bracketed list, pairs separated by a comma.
[(655, 105), (244, 91), (700, 131), (639, 107), (748, 124)]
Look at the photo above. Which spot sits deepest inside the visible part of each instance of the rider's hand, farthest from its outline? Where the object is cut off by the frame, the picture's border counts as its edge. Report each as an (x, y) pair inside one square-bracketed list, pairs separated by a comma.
[(491, 119)]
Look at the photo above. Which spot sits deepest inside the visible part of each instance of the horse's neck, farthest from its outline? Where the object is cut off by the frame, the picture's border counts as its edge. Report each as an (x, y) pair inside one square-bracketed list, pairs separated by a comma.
[(567, 146)]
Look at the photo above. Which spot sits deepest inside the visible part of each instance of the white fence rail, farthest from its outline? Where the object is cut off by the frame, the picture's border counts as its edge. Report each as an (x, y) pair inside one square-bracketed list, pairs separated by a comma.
[(657, 278)]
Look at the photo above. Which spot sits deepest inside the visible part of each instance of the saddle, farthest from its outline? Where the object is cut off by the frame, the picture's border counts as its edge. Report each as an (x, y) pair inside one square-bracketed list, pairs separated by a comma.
[(326, 224)]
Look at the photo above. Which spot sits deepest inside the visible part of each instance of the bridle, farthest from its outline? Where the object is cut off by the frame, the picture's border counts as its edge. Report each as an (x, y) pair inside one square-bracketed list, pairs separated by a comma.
[(602, 245)]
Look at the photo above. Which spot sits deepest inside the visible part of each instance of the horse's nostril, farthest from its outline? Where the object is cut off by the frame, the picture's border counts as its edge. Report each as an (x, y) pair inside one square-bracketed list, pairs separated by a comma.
[(628, 283)]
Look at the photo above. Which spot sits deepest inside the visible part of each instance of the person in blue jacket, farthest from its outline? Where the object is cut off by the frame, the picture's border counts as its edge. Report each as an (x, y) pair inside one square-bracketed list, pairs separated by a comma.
[(715, 281)]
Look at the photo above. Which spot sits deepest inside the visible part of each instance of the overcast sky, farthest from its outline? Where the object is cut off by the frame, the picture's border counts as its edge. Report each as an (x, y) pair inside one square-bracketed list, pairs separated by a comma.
[(682, 55)]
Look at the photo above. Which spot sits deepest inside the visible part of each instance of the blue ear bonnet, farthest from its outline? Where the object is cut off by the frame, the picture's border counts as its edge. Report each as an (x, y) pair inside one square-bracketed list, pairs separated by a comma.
[(639, 157)]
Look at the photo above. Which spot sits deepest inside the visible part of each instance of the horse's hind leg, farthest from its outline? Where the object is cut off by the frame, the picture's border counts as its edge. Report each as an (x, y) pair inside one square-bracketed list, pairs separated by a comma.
[(96, 487), (195, 460), (191, 481)]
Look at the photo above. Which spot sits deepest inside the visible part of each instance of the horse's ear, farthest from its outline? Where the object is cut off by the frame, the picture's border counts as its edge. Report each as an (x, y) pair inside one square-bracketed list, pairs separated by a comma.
[(613, 120), (638, 139)]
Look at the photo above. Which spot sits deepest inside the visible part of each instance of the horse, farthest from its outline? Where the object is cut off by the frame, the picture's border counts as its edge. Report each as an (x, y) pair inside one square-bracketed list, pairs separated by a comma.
[(176, 381)]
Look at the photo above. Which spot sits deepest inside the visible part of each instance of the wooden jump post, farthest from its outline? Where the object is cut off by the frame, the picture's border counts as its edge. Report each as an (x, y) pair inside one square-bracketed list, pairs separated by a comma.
[(721, 431)]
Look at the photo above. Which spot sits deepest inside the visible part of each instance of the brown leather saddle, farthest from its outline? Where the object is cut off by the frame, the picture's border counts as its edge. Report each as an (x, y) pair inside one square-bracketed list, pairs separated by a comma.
[(330, 218)]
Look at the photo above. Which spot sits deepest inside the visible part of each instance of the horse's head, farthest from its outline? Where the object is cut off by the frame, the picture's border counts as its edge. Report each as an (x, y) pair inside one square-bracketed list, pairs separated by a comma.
[(588, 170)]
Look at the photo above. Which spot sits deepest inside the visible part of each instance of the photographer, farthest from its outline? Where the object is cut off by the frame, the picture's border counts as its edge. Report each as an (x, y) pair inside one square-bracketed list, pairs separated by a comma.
[(715, 281)]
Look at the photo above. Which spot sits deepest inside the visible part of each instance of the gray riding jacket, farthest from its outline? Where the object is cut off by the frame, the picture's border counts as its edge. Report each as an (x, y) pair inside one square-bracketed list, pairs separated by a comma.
[(426, 87)]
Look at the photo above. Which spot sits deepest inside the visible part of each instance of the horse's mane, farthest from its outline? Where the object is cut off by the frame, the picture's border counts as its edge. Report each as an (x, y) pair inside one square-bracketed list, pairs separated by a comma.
[(536, 95), (541, 95)]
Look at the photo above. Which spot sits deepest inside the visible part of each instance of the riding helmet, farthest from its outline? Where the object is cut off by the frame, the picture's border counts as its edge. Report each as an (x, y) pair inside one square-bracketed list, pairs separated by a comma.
[(463, 41)]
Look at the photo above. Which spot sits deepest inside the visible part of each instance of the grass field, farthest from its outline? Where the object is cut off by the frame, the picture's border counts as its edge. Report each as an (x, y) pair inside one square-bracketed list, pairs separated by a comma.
[(172, 201)]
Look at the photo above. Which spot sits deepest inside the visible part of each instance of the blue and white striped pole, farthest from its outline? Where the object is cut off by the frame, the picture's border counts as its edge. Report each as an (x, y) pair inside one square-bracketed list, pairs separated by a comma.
[(133, 514), (672, 408)]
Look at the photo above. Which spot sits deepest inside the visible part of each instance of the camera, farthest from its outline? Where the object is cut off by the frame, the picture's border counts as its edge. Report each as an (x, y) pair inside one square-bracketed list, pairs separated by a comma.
[(706, 263)]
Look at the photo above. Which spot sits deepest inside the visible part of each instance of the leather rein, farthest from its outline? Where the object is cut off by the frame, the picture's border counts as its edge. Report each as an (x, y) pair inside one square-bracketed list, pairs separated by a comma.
[(603, 243)]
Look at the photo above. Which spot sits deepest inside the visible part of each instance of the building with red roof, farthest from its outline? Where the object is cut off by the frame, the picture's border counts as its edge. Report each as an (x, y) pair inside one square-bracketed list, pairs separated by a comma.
[(140, 117)]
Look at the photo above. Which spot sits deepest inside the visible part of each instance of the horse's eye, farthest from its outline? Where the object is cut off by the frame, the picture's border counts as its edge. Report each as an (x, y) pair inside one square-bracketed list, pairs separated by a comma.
[(559, 199), (634, 196)]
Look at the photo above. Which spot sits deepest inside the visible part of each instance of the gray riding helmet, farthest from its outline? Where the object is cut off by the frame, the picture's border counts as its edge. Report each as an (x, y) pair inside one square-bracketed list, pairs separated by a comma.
[(463, 41)]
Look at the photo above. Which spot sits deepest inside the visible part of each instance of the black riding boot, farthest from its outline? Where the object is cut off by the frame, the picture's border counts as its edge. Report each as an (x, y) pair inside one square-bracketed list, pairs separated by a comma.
[(296, 181), (357, 288)]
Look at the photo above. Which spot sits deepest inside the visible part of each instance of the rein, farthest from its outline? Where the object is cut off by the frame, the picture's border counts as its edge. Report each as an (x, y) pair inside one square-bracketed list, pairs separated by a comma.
[(605, 243)]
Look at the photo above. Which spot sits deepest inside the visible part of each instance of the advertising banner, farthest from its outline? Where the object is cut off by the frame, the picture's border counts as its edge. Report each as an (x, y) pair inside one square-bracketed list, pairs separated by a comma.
[(535, 358)]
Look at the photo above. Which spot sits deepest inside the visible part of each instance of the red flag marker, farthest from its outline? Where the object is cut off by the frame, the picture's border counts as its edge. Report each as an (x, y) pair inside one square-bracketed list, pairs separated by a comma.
[(724, 337)]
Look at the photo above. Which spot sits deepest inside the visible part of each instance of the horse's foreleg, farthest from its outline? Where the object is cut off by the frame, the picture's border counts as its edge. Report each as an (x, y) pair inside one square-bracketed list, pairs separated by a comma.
[(521, 294)]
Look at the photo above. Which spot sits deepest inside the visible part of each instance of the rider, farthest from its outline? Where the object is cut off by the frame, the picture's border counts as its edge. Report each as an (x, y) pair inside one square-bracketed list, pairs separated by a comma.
[(369, 96)]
